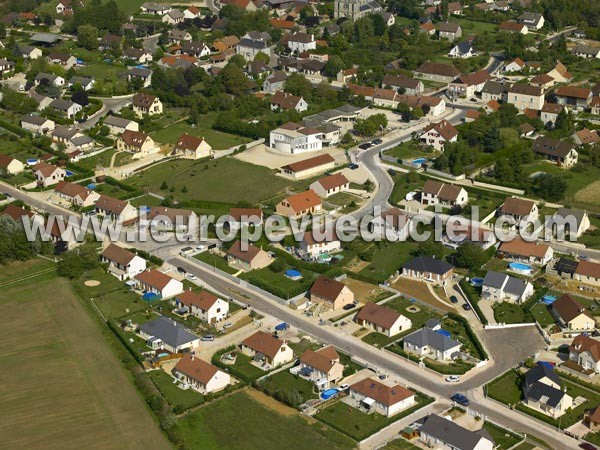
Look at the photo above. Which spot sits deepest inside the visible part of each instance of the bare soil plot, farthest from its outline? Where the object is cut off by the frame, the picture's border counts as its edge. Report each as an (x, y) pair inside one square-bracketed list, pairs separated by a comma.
[(366, 292), (589, 194), (419, 290), (62, 386)]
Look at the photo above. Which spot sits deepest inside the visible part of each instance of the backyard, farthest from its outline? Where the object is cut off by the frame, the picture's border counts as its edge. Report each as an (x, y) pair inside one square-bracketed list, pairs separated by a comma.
[(215, 261), (387, 258), (506, 389), (277, 283), (288, 388), (179, 399)]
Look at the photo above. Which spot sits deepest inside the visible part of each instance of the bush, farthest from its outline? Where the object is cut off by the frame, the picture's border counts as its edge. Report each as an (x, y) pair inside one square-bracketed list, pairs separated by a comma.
[(473, 297), (471, 335)]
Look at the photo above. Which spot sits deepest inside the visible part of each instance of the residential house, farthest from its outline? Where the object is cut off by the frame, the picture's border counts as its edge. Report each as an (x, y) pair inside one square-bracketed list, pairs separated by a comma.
[(225, 43), (524, 96), (10, 165), (434, 71), (573, 96), (354, 10), (205, 306), (197, 49), (319, 242), (560, 73), (146, 104), (585, 352), (562, 219), (429, 343), (405, 85), (116, 209), (322, 366), (534, 21), (191, 13), (252, 258), (571, 315), (47, 174), (591, 418), (441, 432), (136, 142), (140, 73), (274, 82), (382, 320), (138, 55), (299, 42), (200, 375), (513, 27), (76, 194), (285, 102), (86, 83), (542, 390), (151, 280), (253, 43), (586, 137), (173, 17), (515, 65), (449, 30), (28, 51), (549, 113), (526, 130), (308, 167), (595, 105), (386, 400), (504, 288), (345, 76), (37, 124), (458, 233), (561, 152), (266, 350), (428, 269), (299, 205), (64, 7), (122, 263), (6, 66), (529, 252), (519, 208), (330, 185), (330, 293), (437, 134), (62, 59), (393, 225), (110, 42), (295, 138), (543, 81), (192, 147), (469, 85), (438, 193), (428, 28), (494, 91), (72, 139), (587, 272), (118, 125), (66, 108), (167, 334), (462, 50), (169, 218), (586, 51), (158, 9)]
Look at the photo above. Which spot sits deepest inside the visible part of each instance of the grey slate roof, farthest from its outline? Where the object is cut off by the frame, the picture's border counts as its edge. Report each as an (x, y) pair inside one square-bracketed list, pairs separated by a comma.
[(494, 279), (512, 285), (451, 433), (566, 212), (494, 88), (428, 264), (34, 119), (61, 104), (427, 337), (170, 332), (549, 395), (116, 121), (538, 372), (515, 286)]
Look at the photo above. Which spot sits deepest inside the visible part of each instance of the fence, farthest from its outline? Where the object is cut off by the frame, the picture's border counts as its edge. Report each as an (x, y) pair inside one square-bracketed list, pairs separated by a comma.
[(496, 187), (508, 325), (445, 175)]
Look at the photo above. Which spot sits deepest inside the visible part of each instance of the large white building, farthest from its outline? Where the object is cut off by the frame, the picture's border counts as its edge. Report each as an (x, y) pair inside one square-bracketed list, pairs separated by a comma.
[(295, 138)]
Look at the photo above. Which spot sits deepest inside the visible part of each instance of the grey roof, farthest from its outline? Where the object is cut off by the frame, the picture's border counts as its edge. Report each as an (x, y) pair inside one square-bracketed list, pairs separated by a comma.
[(33, 119), (374, 6), (498, 280), (81, 80), (529, 16), (47, 38), (64, 132), (428, 264), (428, 337), (586, 49), (61, 104), (117, 121), (140, 72), (175, 14), (253, 43), (25, 49), (538, 372), (549, 395), (494, 279), (46, 76), (263, 35), (81, 140), (566, 212), (450, 433), (170, 332), (515, 286), (464, 47), (494, 88), (432, 323)]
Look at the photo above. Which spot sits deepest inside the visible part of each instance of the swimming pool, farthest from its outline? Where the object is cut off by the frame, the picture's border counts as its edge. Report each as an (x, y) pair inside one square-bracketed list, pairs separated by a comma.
[(548, 299), (326, 395), (32, 162), (68, 173), (419, 161), (476, 281), (160, 355), (293, 274), (520, 267), (444, 333)]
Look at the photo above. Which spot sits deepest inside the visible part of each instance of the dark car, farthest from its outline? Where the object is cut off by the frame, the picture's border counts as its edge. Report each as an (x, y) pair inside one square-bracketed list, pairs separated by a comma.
[(466, 307), (392, 172), (349, 306), (353, 166), (365, 146), (586, 446), (453, 299), (376, 141), (460, 399)]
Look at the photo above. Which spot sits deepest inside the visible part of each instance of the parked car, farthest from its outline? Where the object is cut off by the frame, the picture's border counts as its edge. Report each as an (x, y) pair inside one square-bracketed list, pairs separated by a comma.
[(460, 399), (191, 276), (466, 307), (207, 338), (376, 141), (453, 299), (349, 306), (343, 387), (227, 325), (392, 172), (353, 166), (181, 270), (452, 378), (586, 446), (365, 146)]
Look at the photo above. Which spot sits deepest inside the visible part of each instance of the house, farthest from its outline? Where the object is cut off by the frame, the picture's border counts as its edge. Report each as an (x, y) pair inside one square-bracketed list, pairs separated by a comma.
[(534, 21), (116, 209), (549, 113), (586, 51), (173, 17), (275, 82), (330, 185), (253, 43), (516, 65), (322, 366), (561, 152), (249, 259), (595, 105), (526, 130), (192, 147), (62, 59), (441, 432), (205, 306), (562, 219), (308, 167), (404, 85), (469, 85), (295, 138), (586, 136), (494, 91), (72, 139), (196, 48), (428, 28), (47, 174), (355, 9), (460, 233), (37, 124), (266, 350), (375, 396), (585, 351), (86, 83), (299, 42), (429, 343), (200, 375), (462, 50), (530, 252), (45, 39), (519, 208), (178, 62), (434, 71), (20, 215), (438, 193), (138, 55), (382, 320), (331, 293), (169, 218), (560, 73), (136, 142), (501, 287), (572, 315), (513, 27), (525, 96), (283, 101), (543, 81), (140, 73), (315, 243), (67, 108), (6, 66), (437, 134), (146, 104), (299, 205), (393, 225), (542, 390), (428, 269), (192, 13), (158, 9), (573, 96), (10, 165), (449, 30), (164, 333), (118, 125), (76, 194), (110, 42), (246, 5), (591, 418), (587, 272), (151, 280), (122, 263), (28, 51), (246, 216), (64, 7)]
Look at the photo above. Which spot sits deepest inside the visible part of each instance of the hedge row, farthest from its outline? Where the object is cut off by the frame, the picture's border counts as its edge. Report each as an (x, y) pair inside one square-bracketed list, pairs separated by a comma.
[(473, 299), (147, 256), (14, 129), (471, 334), (216, 361)]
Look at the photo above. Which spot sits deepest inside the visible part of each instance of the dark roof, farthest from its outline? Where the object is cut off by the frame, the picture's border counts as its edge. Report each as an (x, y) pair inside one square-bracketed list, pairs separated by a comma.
[(565, 265), (549, 395), (170, 332), (551, 147), (428, 264), (245, 255), (568, 308), (535, 374), (378, 315), (525, 89), (327, 288), (443, 69), (447, 431), (428, 337)]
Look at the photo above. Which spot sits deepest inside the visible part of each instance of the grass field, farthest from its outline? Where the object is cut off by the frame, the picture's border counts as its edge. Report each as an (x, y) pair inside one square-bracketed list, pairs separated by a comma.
[(238, 422), (506, 389), (400, 444), (177, 398), (387, 259), (101, 159), (502, 438), (222, 180), (64, 388), (215, 261), (286, 382)]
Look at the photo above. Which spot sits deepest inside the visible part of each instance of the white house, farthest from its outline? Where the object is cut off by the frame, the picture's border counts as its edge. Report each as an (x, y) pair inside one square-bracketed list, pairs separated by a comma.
[(122, 263), (67, 108), (295, 138), (382, 320), (322, 366), (283, 101), (116, 209), (204, 305), (118, 125), (165, 333), (462, 50), (77, 194), (267, 351), (331, 184), (430, 343), (314, 243), (393, 225), (438, 193), (37, 124), (173, 17), (501, 287), (10, 165), (386, 400), (159, 283), (300, 42), (437, 134), (585, 351), (47, 174), (200, 375), (441, 432)]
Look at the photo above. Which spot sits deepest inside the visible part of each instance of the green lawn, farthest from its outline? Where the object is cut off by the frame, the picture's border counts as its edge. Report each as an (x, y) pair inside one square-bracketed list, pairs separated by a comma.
[(215, 261), (277, 283), (244, 366), (403, 184), (418, 318), (408, 151), (113, 191), (594, 438), (379, 340), (178, 398), (146, 200), (541, 313), (400, 444), (217, 139), (506, 389), (502, 438), (17, 273), (101, 71), (505, 312), (237, 422), (101, 159), (525, 446), (283, 385), (222, 180), (475, 26), (387, 259)]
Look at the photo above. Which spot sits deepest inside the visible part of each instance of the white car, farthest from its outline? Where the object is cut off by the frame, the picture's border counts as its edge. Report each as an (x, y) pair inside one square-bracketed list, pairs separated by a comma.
[(452, 378), (343, 387), (191, 276), (227, 325)]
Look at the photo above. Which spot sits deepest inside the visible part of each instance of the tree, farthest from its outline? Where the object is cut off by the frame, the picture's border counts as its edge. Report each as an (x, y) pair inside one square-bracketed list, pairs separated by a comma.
[(333, 66), (550, 187), (234, 79), (491, 140), (470, 256), (431, 248), (76, 262), (81, 97), (564, 121), (87, 37)]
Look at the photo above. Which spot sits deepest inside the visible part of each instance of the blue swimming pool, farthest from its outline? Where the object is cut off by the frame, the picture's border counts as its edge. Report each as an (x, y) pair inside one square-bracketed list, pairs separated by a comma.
[(293, 274), (160, 355), (548, 299), (520, 267), (419, 161), (32, 161), (68, 173), (326, 395), (476, 281), (444, 333), (91, 186)]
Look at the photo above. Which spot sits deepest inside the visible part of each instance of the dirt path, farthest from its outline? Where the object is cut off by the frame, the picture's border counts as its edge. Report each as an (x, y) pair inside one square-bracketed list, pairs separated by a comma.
[(271, 403)]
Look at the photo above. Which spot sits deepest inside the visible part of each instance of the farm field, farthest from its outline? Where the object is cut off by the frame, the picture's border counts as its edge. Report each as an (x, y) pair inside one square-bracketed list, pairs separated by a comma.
[(53, 342)]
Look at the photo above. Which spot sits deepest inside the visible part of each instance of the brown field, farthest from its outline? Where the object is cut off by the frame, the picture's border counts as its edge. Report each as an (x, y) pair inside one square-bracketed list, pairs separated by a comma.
[(589, 194), (419, 290), (366, 292), (62, 386), (271, 403)]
